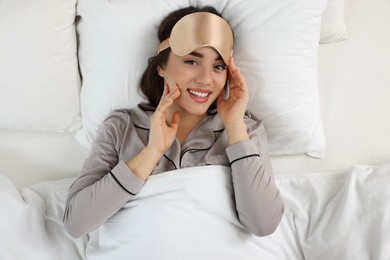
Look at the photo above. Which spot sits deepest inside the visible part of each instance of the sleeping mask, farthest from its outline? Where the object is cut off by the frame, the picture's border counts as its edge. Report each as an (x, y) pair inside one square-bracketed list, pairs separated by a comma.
[(197, 30)]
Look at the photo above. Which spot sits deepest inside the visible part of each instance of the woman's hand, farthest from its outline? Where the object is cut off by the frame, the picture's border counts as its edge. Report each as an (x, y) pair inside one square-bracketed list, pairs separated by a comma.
[(232, 110), (161, 136), (163, 130)]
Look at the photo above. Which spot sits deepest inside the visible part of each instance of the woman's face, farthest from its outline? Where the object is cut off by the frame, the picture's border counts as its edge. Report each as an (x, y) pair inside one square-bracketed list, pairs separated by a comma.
[(200, 77)]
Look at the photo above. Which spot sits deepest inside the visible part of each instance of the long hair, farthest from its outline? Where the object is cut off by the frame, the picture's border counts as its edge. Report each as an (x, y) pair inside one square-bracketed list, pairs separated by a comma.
[(152, 84)]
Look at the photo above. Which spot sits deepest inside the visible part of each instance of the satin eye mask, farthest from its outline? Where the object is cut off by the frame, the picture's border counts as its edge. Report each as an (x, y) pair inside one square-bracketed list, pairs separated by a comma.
[(197, 30)]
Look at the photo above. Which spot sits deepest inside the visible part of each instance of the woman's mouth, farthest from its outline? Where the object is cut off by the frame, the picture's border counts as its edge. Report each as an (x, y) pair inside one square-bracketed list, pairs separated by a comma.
[(199, 95)]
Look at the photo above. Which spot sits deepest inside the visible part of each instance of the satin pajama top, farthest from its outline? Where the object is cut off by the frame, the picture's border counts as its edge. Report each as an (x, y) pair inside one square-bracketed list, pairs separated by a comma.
[(106, 184)]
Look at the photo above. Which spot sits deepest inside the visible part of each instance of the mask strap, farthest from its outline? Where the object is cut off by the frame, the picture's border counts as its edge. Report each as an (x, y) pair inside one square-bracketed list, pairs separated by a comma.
[(163, 45)]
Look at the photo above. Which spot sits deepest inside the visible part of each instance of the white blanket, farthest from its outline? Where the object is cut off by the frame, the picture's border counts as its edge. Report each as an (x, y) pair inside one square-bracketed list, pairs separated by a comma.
[(31, 225), (342, 216), (182, 214), (189, 214)]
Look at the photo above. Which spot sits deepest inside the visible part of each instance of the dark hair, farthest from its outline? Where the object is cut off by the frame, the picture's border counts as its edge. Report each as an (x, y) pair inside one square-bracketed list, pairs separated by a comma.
[(152, 84)]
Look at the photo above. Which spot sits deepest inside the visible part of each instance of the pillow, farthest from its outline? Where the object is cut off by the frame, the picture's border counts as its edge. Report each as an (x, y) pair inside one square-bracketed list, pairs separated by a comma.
[(40, 82), (276, 47), (333, 28)]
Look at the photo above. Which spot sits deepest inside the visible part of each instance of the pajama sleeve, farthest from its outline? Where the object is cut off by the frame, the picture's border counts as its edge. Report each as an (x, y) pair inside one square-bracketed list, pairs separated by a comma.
[(259, 204), (105, 183)]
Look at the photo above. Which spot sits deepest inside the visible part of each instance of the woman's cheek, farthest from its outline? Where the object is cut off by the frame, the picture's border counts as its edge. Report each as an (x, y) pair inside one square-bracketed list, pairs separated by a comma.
[(171, 84)]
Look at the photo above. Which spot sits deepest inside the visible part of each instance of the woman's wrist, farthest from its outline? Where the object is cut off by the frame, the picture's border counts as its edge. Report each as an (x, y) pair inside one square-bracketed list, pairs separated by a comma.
[(236, 132), (142, 164)]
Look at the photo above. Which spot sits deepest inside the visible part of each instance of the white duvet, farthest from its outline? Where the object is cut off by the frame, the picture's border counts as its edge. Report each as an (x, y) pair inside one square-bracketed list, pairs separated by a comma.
[(189, 214)]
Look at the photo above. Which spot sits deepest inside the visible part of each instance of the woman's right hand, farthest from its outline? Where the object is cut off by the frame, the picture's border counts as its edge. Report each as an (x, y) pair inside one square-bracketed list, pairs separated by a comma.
[(161, 136), (162, 129)]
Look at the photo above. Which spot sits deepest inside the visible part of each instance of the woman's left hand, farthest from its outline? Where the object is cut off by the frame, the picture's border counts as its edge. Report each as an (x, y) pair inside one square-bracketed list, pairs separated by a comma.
[(232, 110)]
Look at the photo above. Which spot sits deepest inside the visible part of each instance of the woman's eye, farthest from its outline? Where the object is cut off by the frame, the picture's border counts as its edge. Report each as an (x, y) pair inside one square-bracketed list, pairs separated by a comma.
[(191, 62), (220, 67)]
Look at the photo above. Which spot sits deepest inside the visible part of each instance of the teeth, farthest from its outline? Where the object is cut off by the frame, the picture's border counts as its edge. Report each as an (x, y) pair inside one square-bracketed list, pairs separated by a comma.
[(199, 94)]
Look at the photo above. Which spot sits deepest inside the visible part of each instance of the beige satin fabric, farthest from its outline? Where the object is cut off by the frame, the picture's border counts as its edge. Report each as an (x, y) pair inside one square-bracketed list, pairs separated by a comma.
[(197, 30)]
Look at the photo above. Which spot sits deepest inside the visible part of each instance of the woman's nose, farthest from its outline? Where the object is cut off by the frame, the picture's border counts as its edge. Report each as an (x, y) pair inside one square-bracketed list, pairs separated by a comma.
[(204, 77)]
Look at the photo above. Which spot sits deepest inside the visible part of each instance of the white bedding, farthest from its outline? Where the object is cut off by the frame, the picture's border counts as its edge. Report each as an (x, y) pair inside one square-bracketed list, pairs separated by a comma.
[(338, 216), (190, 213), (31, 223)]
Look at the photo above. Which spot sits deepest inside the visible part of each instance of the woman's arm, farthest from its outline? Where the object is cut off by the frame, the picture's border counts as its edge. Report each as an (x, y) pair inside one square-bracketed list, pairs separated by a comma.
[(107, 184), (259, 204), (104, 185)]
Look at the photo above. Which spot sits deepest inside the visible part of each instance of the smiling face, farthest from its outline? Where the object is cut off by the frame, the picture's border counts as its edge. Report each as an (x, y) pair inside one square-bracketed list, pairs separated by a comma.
[(200, 76)]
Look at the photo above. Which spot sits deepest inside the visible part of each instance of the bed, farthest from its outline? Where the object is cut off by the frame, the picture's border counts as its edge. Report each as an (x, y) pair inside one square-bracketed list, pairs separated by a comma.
[(64, 65)]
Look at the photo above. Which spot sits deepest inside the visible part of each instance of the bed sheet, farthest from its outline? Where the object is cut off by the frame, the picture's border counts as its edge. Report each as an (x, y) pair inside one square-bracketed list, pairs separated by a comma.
[(31, 225), (328, 216)]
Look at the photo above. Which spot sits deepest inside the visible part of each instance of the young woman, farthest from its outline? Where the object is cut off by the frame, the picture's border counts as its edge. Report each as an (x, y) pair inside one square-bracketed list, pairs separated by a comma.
[(195, 115)]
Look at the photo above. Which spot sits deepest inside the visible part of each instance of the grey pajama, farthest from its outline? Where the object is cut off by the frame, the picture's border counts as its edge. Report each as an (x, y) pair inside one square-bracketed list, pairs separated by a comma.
[(106, 184)]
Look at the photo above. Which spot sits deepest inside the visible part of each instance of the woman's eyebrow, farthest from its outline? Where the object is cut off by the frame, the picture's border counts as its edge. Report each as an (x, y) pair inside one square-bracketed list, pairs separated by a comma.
[(200, 55), (197, 54)]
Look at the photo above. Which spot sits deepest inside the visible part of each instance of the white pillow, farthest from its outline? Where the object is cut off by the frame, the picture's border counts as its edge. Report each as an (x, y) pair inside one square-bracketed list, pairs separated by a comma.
[(40, 81), (333, 28), (276, 45)]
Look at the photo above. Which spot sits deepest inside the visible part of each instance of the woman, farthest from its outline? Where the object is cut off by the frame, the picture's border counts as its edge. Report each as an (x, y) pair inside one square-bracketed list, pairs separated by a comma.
[(193, 117)]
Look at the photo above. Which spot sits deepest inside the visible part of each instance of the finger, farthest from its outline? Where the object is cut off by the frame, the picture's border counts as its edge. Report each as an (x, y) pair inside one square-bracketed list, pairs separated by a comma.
[(172, 92), (163, 100), (233, 72), (237, 77), (221, 97), (167, 99), (175, 120), (175, 92), (164, 94), (240, 79), (232, 62), (231, 69), (166, 91)]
